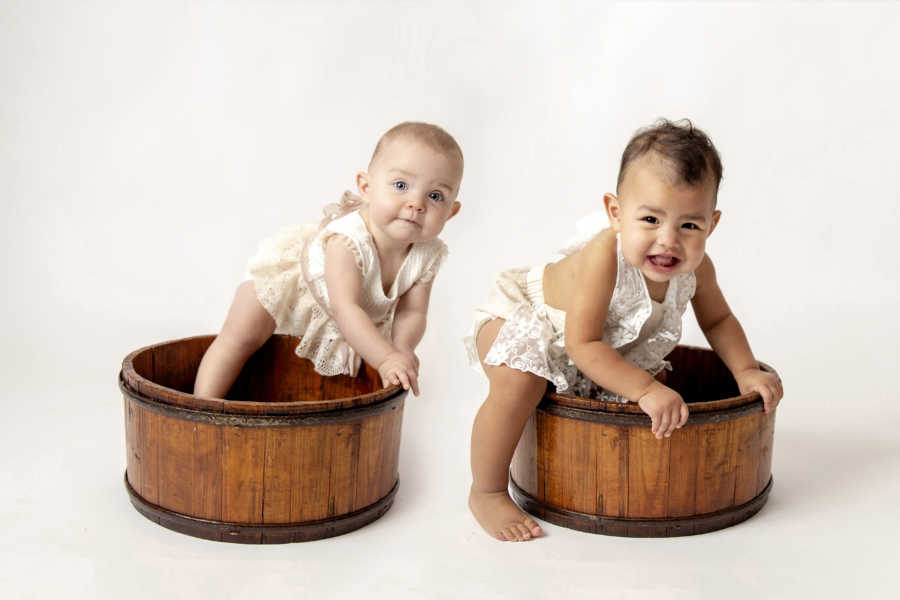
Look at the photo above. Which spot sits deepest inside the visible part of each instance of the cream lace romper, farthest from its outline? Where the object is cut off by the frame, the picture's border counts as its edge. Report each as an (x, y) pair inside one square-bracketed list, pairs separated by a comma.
[(532, 339), (288, 272)]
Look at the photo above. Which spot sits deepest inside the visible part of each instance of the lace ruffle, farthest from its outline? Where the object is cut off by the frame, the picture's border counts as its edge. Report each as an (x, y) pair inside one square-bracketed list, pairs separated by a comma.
[(276, 270)]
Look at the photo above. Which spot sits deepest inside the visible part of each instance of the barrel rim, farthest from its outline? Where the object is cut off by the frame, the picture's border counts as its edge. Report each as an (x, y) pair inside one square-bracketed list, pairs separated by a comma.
[(272, 418), (740, 403), (139, 386)]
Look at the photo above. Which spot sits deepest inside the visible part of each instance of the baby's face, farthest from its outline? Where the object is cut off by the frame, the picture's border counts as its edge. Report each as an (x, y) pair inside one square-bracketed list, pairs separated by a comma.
[(410, 190), (662, 224)]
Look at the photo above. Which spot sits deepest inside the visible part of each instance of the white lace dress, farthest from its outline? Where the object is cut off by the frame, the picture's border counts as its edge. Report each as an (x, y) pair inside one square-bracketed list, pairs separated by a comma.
[(532, 339), (288, 272)]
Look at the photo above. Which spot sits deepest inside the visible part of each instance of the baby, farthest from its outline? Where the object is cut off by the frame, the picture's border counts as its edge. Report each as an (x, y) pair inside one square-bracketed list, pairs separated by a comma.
[(357, 286), (600, 320)]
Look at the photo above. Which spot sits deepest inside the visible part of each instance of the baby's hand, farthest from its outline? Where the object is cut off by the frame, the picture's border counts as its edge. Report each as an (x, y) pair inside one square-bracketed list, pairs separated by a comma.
[(412, 356), (666, 409), (400, 368), (768, 385)]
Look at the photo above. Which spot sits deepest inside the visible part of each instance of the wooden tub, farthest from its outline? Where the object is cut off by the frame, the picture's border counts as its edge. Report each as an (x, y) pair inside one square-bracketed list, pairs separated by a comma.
[(595, 466), (290, 456)]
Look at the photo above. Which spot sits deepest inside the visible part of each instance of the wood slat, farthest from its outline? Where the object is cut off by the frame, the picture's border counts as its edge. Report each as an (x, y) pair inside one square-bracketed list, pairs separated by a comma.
[(389, 473), (281, 466), (683, 459), (344, 442), (176, 450), (715, 470), (648, 474), (613, 469), (312, 480), (746, 468), (132, 462), (554, 453), (766, 447), (207, 471), (148, 454), (372, 455), (244, 459)]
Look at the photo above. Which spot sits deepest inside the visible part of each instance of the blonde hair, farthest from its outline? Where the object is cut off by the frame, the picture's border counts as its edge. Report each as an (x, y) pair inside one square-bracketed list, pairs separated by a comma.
[(430, 135)]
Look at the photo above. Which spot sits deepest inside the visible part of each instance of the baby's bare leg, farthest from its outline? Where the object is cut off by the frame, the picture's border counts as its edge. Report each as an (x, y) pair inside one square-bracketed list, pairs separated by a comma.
[(498, 425), (247, 327)]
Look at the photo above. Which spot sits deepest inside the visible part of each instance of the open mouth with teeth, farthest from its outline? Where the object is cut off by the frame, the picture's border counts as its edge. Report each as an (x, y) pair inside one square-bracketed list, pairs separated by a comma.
[(664, 261)]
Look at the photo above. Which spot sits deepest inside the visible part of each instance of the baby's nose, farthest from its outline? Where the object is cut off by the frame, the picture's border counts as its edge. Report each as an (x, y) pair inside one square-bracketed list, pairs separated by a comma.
[(416, 203), (667, 237)]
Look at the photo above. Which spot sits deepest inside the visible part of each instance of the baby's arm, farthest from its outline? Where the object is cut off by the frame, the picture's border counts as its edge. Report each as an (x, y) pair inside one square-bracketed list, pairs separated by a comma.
[(410, 319), (344, 282), (726, 336), (585, 321)]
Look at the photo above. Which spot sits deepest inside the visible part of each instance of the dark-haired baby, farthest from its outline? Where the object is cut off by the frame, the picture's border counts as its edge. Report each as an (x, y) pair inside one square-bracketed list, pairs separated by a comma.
[(600, 318)]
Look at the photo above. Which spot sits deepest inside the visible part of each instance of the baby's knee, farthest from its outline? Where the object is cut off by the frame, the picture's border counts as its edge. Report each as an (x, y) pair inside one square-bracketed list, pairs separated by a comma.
[(516, 389), (248, 324)]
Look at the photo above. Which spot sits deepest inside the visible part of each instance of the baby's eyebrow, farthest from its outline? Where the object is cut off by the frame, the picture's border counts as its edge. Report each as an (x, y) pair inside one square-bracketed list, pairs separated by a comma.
[(651, 209)]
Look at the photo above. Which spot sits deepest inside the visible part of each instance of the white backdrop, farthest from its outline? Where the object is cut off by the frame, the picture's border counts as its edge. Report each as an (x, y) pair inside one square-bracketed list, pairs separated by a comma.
[(145, 148)]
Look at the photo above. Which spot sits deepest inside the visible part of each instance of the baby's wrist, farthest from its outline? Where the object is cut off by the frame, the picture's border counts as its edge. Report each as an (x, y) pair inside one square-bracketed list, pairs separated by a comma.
[(746, 370), (403, 348), (387, 357), (649, 386)]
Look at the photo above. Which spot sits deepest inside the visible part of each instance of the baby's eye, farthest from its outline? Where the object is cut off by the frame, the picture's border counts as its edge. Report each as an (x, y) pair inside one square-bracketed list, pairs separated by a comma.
[(436, 196), (400, 186), (691, 226), (651, 220)]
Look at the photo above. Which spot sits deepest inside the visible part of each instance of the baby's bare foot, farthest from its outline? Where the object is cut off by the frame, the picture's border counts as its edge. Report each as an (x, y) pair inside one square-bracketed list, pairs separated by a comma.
[(501, 518)]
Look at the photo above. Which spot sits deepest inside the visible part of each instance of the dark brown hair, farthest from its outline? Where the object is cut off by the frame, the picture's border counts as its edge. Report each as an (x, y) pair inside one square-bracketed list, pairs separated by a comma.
[(686, 150), (430, 135)]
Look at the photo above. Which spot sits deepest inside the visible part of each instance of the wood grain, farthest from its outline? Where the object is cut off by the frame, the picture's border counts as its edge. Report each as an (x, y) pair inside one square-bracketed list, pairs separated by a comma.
[(595, 466), (288, 456)]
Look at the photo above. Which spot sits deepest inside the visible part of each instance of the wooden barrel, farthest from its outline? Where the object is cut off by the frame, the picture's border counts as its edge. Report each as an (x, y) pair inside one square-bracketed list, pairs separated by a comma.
[(594, 466), (290, 456)]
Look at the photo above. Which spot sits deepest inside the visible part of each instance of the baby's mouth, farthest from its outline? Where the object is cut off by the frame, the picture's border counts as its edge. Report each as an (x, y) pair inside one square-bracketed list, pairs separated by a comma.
[(664, 261)]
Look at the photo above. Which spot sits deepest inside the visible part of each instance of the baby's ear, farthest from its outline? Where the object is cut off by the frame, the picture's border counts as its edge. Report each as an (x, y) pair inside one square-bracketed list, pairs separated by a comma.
[(362, 184), (455, 209), (717, 214), (613, 210)]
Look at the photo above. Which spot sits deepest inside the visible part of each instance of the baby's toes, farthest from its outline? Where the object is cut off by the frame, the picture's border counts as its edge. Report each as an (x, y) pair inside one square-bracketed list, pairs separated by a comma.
[(533, 527), (523, 532)]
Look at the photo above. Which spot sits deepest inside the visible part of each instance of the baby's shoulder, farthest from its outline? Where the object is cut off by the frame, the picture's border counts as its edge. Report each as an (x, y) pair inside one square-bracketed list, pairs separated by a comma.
[(591, 267), (602, 245), (607, 236), (705, 273)]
